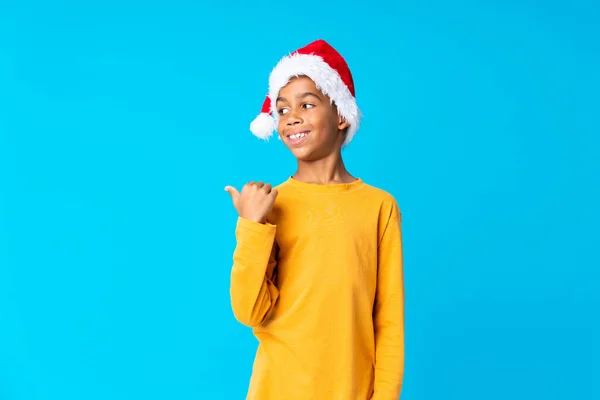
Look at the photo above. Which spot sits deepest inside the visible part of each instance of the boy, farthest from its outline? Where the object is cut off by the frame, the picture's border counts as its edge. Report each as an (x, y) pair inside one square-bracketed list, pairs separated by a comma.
[(318, 267)]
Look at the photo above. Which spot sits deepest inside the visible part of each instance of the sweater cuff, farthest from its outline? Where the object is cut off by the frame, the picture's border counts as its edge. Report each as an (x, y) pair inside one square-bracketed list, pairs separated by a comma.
[(256, 227)]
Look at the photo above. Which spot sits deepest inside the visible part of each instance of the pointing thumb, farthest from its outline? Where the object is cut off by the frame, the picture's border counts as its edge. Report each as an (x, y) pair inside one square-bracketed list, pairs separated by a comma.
[(233, 192)]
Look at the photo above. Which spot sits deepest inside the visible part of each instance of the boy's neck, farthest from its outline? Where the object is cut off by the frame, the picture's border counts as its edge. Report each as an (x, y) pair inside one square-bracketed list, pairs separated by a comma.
[(328, 170)]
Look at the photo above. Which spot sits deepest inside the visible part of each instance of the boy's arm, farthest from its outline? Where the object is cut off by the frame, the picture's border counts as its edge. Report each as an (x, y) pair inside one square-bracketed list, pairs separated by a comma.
[(252, 290), (388, 312)]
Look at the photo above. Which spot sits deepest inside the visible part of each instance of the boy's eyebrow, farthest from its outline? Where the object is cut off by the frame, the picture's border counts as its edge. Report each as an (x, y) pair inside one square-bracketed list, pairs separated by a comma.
[(300, 96), (303, 95)]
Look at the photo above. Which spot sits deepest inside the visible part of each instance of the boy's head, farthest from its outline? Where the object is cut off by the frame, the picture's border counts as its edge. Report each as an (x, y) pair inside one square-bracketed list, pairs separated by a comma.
[(310, 91), (308, 121)]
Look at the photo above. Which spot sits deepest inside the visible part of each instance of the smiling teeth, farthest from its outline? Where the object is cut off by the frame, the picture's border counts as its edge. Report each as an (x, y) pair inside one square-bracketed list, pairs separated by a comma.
[(298, 136)]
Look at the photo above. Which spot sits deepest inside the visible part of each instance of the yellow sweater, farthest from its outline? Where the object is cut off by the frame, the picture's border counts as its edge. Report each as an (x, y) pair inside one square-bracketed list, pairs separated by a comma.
[(321, 285)]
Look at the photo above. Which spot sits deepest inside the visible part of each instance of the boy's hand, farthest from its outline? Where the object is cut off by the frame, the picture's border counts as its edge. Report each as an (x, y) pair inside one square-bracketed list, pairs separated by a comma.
[(255, 201)]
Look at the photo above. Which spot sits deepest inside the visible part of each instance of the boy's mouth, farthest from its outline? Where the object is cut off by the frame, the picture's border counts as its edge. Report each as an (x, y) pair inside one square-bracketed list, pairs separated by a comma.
[(298, 137)]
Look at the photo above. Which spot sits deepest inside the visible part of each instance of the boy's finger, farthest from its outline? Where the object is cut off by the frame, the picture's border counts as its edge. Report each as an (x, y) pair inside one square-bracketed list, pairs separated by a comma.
[(233, 192)]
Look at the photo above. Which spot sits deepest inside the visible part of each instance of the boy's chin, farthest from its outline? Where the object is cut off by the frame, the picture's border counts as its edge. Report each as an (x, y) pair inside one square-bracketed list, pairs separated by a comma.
[(304, 153), (310, 153)]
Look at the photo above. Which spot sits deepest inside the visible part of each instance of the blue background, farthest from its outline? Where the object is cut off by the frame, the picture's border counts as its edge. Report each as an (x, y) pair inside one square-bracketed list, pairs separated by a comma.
[(122, 121)]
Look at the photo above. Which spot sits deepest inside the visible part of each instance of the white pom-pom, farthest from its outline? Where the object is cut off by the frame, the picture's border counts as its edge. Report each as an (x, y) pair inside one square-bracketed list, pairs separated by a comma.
[(263, 126)]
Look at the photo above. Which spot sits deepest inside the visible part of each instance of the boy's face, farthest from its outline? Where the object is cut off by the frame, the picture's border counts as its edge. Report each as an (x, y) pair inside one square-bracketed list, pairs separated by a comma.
[(309, 124)]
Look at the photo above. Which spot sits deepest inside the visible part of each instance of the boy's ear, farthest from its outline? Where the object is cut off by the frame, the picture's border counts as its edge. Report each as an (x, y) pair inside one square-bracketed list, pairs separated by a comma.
[(343, 125)]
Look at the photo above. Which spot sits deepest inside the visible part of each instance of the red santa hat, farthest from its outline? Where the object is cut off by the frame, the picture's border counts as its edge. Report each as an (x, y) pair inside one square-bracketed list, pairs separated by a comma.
[(329, 71)]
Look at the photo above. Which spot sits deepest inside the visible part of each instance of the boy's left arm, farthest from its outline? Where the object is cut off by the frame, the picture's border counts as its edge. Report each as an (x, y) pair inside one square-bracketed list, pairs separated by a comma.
[(388, 312)]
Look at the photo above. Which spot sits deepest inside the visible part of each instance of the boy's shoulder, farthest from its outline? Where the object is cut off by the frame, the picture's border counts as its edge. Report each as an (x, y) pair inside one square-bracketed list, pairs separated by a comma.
[(380, 192), (383, 196)]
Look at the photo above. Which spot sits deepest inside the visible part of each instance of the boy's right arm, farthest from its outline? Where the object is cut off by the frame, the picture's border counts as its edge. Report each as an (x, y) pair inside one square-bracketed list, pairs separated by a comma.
[(253, 290)]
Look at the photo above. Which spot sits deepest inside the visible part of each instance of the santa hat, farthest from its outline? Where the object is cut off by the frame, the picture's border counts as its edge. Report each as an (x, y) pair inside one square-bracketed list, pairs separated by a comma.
[(329, 71)]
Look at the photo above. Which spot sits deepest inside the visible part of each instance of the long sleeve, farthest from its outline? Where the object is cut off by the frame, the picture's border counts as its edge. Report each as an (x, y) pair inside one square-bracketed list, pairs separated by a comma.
[(388, 312), (252, 289)]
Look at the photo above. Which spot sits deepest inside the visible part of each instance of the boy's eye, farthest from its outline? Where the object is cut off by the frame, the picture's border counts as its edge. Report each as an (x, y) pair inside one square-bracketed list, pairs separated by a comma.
[(286, 110)]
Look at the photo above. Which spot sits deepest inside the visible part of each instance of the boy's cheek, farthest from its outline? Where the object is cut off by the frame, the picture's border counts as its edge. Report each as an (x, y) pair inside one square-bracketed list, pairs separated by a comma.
[(280, 127)]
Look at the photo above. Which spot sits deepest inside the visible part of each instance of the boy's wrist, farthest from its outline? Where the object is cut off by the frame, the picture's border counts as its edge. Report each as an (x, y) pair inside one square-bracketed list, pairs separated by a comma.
[(255, 220), (254, 224)]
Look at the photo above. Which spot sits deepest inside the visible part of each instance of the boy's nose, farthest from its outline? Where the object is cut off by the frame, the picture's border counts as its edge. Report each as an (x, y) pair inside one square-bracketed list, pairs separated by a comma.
[(294, 119)]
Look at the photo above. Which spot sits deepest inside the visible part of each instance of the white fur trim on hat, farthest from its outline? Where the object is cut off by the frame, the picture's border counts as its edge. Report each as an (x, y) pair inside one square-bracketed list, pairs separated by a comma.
[(325, 78)]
